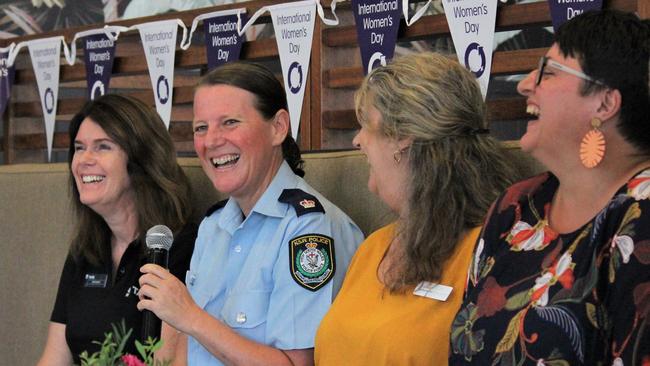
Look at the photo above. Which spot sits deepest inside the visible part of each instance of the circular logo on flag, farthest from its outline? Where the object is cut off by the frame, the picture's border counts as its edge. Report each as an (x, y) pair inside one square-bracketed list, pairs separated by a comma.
[(478, 48), (48, 100), (376, 57), (97, 90), (163, 96), (295, 88)]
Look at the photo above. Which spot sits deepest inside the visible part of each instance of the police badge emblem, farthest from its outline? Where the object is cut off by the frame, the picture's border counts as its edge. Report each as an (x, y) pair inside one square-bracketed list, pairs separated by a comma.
[(311, 259)]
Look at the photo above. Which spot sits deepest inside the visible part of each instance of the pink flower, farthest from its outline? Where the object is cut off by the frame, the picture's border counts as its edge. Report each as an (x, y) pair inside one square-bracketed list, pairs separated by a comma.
[(131, 360)]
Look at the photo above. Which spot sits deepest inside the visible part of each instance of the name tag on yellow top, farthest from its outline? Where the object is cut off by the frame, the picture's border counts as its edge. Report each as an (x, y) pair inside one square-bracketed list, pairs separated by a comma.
[(431, 290)]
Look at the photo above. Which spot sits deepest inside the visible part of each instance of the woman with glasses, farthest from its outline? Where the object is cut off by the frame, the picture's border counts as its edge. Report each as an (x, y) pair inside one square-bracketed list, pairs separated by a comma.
[(561, 272)]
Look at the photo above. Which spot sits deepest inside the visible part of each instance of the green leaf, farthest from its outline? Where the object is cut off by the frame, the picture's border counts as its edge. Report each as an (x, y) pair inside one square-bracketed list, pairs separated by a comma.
[(590, 309), (518, 300), (511, 334), (487, 267), (141, 350), (633, 212), (556, 363)]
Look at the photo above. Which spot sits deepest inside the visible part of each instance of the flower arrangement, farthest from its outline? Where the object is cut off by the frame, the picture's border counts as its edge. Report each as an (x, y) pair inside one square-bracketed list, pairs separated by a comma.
[(112, 348)]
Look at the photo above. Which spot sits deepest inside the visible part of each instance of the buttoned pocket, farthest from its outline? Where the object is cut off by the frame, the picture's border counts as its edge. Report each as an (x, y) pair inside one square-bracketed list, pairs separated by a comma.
[(246, 309), (199, 295)]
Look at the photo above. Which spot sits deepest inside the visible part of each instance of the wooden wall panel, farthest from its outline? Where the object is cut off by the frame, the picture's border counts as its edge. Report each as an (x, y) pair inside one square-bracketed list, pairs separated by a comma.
[(328, 119)]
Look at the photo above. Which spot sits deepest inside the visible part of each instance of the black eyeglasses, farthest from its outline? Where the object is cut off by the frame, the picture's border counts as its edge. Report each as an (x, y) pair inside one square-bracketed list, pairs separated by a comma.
[(544, 61)]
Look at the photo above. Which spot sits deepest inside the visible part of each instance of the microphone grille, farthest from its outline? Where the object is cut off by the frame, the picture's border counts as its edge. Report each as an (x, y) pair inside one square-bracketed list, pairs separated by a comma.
[(159, 237)]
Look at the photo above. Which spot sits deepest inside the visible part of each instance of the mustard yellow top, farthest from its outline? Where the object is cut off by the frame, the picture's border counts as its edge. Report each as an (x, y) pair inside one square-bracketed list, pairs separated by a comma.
[(367, 325)]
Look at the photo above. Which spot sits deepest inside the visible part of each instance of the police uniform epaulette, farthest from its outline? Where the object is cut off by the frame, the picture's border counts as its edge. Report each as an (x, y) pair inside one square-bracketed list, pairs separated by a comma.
[(215, 207), (301, 201)]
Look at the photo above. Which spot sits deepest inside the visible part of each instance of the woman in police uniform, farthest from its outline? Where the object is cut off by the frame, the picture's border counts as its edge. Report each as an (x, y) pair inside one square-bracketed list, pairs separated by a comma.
[(124, 179), (269, 260)]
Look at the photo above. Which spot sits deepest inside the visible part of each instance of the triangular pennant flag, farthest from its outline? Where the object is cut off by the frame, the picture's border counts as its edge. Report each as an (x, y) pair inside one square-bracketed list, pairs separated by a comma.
[(45, 54), (6, 79), (99, 54), (563, 10), (471, 23), (377, 23), (222, 40), (159, 43), (294, 31)]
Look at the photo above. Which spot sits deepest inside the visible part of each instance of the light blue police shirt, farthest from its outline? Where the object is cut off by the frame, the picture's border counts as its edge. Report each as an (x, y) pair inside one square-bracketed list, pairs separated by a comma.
[(240, 270)]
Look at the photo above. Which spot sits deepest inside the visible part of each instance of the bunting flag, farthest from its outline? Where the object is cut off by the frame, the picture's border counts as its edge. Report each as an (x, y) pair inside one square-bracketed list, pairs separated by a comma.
[(471, 23), (222, 40), (294, 31), (159, 43), (46, 58), (223, 36), (377, 23), (98, 56), (6, 78), (563, 10)]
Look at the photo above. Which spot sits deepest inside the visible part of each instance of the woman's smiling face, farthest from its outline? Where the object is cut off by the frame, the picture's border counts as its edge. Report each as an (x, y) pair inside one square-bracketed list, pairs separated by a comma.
[(239, 150), (99, 167)]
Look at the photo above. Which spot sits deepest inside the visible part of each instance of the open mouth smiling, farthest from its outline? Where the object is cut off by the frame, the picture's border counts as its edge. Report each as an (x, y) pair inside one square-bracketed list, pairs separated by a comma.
[(224, 160), (92, 178)]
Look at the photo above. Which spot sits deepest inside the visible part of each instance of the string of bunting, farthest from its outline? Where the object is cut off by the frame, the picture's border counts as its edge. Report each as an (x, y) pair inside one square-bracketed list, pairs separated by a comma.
[(471, 24)]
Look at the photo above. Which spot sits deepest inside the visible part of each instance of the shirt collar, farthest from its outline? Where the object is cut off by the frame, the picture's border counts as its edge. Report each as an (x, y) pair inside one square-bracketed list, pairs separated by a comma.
[(231, 216), (268, 204)]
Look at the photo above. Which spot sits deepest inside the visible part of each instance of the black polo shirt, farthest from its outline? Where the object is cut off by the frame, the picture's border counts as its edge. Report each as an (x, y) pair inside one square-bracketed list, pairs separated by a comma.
[(89, 300)]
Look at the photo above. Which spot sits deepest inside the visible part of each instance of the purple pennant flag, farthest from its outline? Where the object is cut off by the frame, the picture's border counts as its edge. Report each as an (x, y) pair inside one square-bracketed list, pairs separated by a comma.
[(6, 81), (563, 10), (377, 23), (99, 56), (222, 40)]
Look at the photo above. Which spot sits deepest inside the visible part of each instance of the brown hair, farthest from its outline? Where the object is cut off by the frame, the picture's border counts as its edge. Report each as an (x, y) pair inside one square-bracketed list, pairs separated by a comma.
[(455, 169)]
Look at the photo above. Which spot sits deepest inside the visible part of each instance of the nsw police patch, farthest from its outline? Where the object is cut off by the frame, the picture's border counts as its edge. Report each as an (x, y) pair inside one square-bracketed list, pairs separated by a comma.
[(311, 258)]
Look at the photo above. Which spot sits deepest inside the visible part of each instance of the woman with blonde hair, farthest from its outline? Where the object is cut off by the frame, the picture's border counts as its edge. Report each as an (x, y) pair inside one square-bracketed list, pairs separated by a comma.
[(431, 161)]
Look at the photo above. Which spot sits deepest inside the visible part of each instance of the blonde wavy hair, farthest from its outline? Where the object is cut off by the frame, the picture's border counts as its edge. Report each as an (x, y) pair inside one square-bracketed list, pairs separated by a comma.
[(456, 168)]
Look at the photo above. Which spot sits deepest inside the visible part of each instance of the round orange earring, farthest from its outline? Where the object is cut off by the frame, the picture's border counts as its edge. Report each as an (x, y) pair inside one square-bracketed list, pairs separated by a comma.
[(592, 146)]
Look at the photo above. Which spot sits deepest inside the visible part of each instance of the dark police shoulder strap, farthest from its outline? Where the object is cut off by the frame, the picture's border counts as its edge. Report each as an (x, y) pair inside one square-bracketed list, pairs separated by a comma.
[(301, 201)]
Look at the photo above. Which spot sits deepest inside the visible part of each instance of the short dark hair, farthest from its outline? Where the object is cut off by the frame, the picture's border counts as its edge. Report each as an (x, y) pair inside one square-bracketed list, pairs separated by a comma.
[(269, 98), (612, 47), (162, 190)]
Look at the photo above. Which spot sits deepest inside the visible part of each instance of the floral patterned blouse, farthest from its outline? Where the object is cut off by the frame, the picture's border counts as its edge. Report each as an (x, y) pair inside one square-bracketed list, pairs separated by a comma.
[(536, 297)]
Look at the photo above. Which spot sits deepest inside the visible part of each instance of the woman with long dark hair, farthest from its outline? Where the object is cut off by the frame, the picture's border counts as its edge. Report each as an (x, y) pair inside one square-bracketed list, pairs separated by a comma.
[(124, 179)]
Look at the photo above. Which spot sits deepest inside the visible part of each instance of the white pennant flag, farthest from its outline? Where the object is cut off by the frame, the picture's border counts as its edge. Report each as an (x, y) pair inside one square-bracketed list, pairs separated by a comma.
[(159, 43), (294, 31), (471, 23), (45, 54)]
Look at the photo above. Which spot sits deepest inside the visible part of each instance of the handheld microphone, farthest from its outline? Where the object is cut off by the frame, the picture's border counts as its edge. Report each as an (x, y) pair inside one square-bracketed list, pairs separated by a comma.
[(159, 239)]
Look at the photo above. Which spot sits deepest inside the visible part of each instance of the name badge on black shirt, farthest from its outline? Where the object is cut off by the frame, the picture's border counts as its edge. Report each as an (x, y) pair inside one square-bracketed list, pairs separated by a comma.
[(97, 280)]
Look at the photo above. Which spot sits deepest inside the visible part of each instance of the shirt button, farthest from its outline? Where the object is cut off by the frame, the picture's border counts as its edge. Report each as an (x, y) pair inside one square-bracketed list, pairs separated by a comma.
[(237, 248), (122, 270), (241, 318)]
